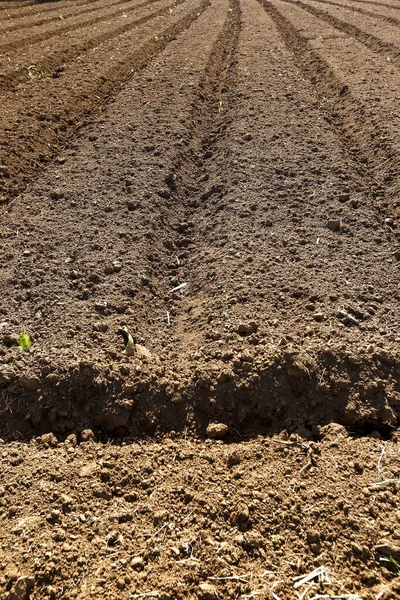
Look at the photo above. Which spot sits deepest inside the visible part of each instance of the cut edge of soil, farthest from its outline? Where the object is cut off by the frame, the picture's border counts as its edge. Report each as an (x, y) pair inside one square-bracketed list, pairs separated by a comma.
[(257, 394)]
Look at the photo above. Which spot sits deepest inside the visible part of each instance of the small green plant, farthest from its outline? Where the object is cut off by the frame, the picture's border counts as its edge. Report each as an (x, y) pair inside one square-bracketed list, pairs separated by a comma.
[(24, 342), (34, 72), (276, 537), (395, 564), (220, 106)]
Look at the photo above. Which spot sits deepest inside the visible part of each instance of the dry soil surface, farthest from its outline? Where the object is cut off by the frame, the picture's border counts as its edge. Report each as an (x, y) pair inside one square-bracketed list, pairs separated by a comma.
[(217, 183)]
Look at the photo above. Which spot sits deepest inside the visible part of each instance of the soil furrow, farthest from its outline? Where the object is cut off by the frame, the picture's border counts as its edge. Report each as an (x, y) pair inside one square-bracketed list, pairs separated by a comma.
[(196, 180), (63, 15), (130, 171), (42, 133), (377, 15), (371, 41), (33, 8), (47, 65), (364, 137), (29, 40), (384, 4)]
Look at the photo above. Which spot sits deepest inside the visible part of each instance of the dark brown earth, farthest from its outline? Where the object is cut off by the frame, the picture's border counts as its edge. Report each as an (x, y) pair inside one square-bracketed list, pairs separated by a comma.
[(246, 153)]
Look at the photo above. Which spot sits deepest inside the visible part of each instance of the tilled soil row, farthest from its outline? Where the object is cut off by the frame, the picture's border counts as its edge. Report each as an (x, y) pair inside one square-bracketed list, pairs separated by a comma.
[(390, 16), (51, 59), (34, 132), (63, 13), (40, 33), (384, 40), (286, 320), (13, 10), (367, 127)]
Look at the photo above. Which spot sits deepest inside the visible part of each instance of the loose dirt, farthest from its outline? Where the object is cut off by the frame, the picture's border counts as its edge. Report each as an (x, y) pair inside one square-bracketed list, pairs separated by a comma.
[(219, 179)]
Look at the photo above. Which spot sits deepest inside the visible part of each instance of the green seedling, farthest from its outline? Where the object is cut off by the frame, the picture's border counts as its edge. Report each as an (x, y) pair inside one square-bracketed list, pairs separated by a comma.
[(276, 537), (395, 564), (24, 342), (34, 72), (220, 106)]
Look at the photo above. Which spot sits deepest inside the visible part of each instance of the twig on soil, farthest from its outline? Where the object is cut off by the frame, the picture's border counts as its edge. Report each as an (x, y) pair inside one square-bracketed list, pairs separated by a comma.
[(168, 319), (301, 445), (160, 530), (185, 560), (232, 578), (258, 90), (304, 447), (154, 594), (383, 453), (385, 482), (178, 287), (319, 572)]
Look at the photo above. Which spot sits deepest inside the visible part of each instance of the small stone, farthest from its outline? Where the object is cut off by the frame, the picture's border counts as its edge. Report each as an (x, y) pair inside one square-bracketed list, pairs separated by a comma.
[(71, 440), (313, 537), (117, 266), (247, 328), (132, 205), (66, 500), (165, 193), (344, 197), (206, 591), (233, 459), (319, 317), (87, 435), (334, 224), (137, 563), (56, 195), (48, 440), (247, 137), (396, 254), (217, 431), (100, 326)]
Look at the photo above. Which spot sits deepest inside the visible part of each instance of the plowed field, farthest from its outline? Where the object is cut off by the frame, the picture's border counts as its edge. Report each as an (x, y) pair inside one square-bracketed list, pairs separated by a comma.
[(199, 233)]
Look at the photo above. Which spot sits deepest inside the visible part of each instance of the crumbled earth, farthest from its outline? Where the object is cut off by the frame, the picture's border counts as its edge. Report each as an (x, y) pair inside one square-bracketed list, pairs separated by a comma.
[(182, 518), (199, 242)]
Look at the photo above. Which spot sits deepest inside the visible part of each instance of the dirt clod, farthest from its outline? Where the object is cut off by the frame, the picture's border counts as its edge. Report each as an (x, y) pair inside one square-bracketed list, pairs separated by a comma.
[(217, 431)]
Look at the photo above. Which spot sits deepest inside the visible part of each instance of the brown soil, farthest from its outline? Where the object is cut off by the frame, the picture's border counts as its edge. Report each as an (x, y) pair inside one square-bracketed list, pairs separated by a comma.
[(249, 150)]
